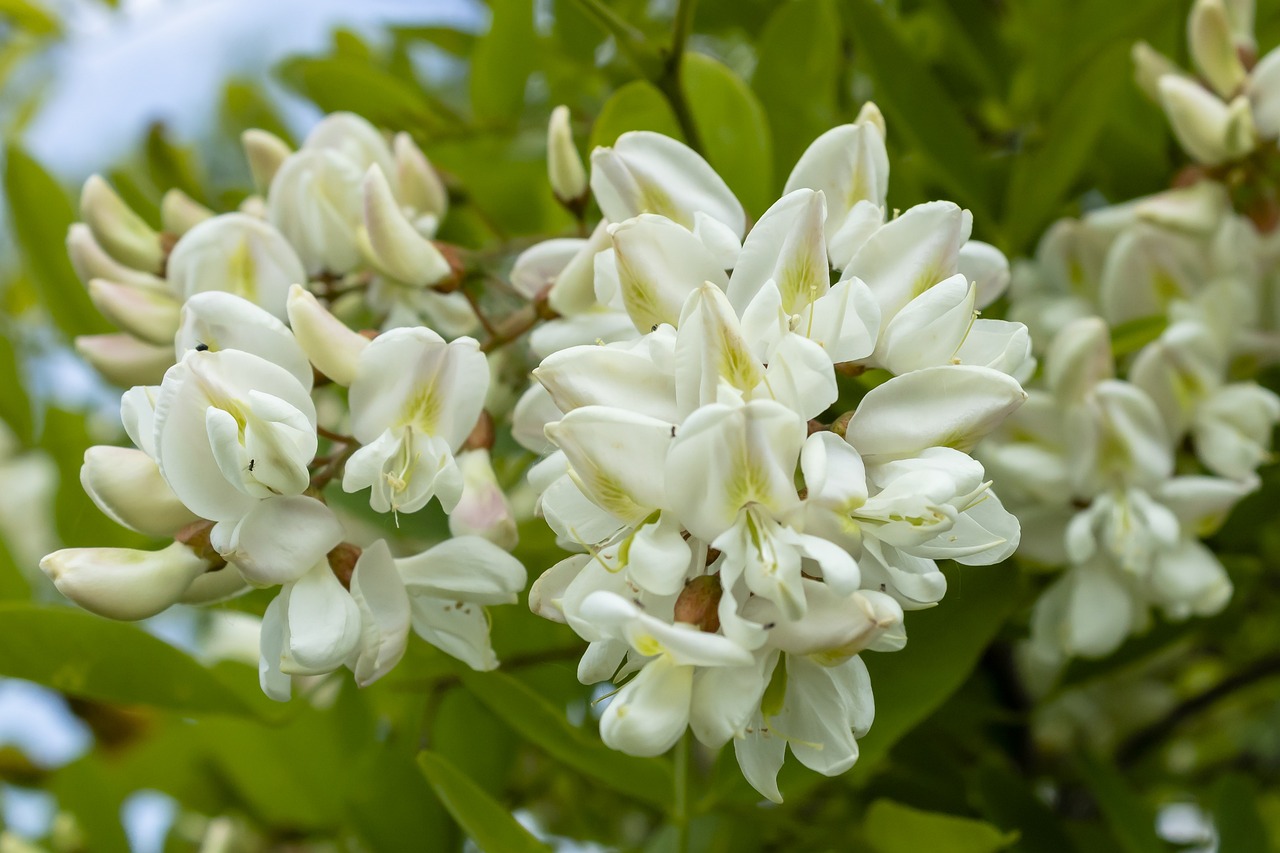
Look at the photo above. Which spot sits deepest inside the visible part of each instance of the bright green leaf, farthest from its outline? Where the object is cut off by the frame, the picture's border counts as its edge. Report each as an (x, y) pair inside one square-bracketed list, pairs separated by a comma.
[(40, 214), (340, 83), (95, 658), (489, 823), (171, 166), (502, 63), (919, 109), (891, 827), (30, 16), (732, 127), (636, 106), (798, 52), (545, 726), (1132, 823)]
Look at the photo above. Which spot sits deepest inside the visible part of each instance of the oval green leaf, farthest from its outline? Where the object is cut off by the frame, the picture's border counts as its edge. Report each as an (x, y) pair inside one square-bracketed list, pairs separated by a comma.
[(489, 823)]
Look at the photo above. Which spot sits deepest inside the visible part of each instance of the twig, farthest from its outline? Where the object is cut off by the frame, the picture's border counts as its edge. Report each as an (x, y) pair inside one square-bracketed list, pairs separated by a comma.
[(670, 80), (1145, 739)]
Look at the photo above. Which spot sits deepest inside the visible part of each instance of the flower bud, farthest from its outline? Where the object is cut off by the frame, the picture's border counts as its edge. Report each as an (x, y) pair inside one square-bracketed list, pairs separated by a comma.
[(870, 114), (483, 509), (418, 186), (121, 583), (1213, 47), (1149, 65), (1208, 129), (238, 254), (90, 262), (126, 485), (564, 166), (265, 153), (354, 138), (117, 229), (332, 347), (1079, 358), (315, 202), (142, 312), (179, 212), (392, 244), (124, 360)]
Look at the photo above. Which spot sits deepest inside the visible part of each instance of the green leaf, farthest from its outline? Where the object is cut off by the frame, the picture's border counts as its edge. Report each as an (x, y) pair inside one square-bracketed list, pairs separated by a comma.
[(30, 16), (1042, 177), (1007, 799), (40, 214), (542, 724), (171, 166), (639, 105), (629, 39), (1236, 816), (85, 655), (13, 585), (919, 108), (15, 406), (732, 127), (796, 76), (1132, 823), (502, 63), (894, 828), (943, 646), (488, 823), (344, 84)]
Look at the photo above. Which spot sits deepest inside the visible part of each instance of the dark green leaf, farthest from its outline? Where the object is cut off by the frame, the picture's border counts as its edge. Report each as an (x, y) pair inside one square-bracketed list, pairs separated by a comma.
[(171, 166), (1235, 814), (502, 63), (636, 106), (732, 127), (894, 828), (545, 726), (1132, 823), (488, 823), (15, 407), (84, 655), (919, 108), (796, 76), (40, 214), (1009, 802), (943, 646), (1044, 175)]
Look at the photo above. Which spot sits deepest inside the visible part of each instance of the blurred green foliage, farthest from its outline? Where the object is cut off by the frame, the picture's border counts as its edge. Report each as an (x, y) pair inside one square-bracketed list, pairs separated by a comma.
[(1021, 111)]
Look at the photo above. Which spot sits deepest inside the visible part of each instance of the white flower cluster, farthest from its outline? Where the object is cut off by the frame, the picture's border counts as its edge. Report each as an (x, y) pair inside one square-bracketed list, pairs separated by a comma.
[(1145, 427), (225, 450), (741, 540), (1231, 107)]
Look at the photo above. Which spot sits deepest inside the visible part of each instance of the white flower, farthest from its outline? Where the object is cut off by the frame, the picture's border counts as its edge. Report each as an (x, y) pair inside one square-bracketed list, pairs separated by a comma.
[(414, 400), (564, 166), (483, 510), (238, 254), (121, 583)]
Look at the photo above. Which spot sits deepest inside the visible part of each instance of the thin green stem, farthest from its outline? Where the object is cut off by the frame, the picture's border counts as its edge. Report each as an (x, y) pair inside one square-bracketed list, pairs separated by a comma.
[(670, 83), (680, 799)]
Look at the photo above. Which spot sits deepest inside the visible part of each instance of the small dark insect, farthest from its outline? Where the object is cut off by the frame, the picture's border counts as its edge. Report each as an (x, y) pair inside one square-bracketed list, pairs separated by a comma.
[(654, 328), (882, 587), (770, 626), (673, 430), (252, 462), (202, 347)]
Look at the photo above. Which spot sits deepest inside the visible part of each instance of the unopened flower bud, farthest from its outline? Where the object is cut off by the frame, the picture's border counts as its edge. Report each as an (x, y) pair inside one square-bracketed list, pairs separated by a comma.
[(116, 228), (142, 312), (265, 152), (331, 347), (126, 485), (179, 212), (1211, 131), (418, 186), (1149, 65), (124, 360), (315, 202), (564, 166), (91, 261), (483, 509), (238, 254), (391, 242), (1213, 47), (870, 114), (121, 583)]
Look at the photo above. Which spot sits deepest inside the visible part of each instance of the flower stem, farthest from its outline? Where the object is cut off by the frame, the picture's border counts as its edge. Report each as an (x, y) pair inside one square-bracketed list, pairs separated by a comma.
[(669, 81), (680, 803)]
